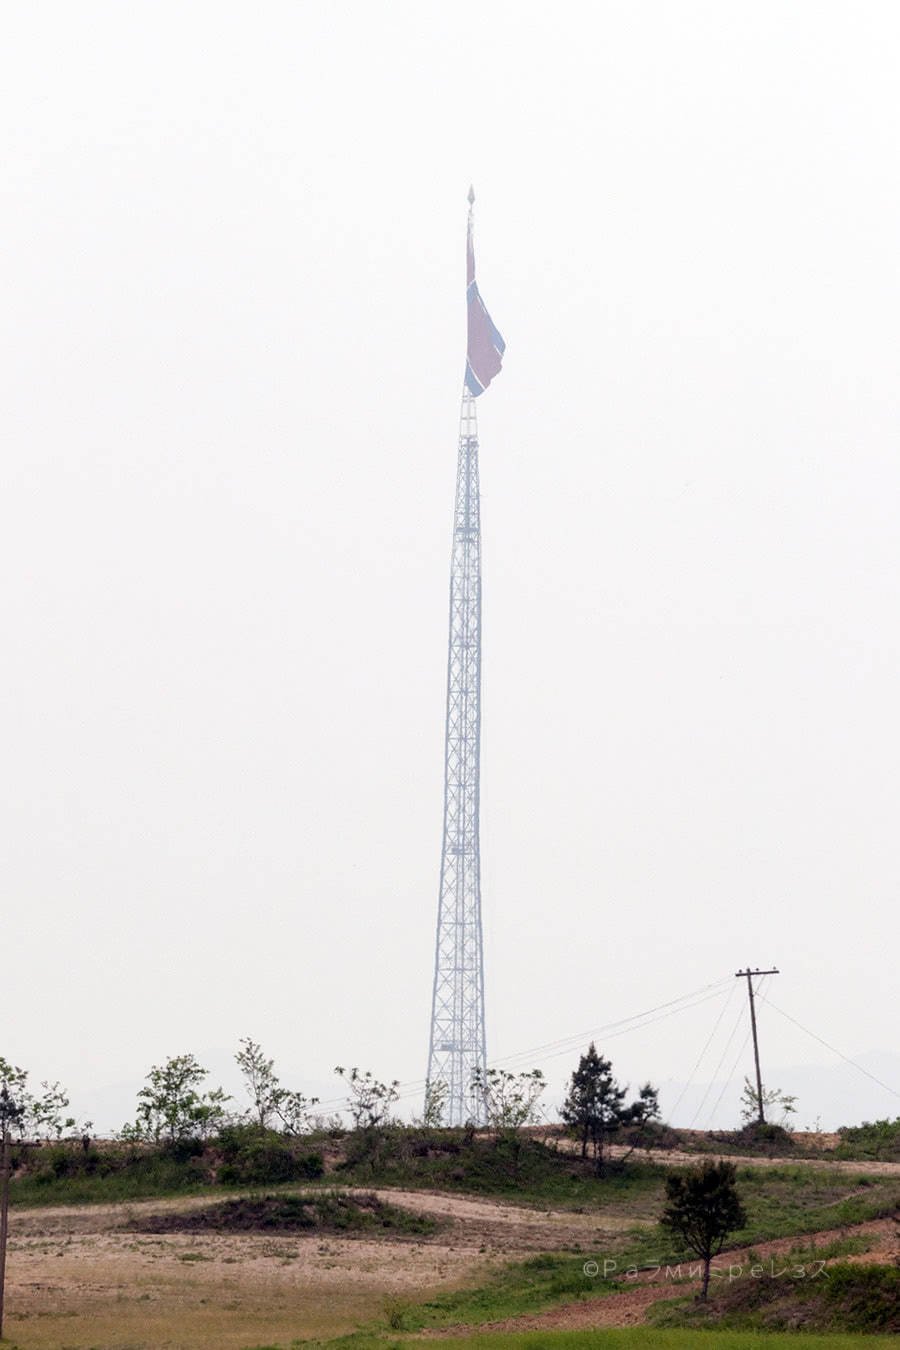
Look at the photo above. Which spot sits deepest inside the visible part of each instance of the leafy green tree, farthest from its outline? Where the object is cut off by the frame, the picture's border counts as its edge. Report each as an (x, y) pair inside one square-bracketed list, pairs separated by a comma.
[(434, 1110), (12, 1114), (262, 1083), (368, 1100), (37, 1116), (270, 1102), (510, 1099), (171, 1106), (594, 1107), (293, 1111), (21, 1113), (702, 1208)]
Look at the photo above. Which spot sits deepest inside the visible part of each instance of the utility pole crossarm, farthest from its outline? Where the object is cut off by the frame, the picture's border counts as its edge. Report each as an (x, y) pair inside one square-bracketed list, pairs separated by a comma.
[(748, 975)]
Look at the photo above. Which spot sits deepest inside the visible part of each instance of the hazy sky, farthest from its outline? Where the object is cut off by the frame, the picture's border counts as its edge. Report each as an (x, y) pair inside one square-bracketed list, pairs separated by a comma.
[(232, 332)]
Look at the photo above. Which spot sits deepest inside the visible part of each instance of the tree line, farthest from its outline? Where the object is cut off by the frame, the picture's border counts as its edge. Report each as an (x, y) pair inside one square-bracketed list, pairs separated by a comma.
[(175, 1102)]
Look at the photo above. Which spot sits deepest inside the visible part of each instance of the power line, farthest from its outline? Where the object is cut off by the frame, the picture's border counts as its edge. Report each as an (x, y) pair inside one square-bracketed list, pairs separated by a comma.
[(834, 1050), (728, 1081), (567, 1043), (715, 1072), (709, 1039), (413, 1089), (712, 1081), (738, 1057), (639, 1026), (609, 1026)]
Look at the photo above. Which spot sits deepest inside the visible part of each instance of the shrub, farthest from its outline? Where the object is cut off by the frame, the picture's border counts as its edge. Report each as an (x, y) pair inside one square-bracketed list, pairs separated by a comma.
[(261, 1162), (764, 1134), (871, 1139)]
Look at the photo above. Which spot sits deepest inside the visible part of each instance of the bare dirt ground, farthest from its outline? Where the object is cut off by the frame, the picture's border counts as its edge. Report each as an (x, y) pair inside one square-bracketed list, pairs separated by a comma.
[(682, 1157), (678, 1158), (83, 1276)]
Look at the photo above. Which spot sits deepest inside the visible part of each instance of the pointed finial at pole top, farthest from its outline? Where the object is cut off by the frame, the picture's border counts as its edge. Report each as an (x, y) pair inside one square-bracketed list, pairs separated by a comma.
[(471, 197)]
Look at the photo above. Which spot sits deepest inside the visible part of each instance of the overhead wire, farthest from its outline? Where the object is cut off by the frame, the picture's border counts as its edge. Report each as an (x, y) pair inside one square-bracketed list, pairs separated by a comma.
[(566, 1042), (701, 1056), (715, 1072), (612, 1035), (737, 1059), (834, 1050), (564, 1045)]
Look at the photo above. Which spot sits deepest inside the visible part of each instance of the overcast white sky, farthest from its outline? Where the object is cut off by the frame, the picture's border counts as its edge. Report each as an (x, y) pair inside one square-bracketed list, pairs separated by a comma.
[(232, 331)]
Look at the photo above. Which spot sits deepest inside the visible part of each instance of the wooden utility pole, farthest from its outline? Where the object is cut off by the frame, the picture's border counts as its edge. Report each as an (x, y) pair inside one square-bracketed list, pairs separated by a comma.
[(4, 1215), (748, 975)]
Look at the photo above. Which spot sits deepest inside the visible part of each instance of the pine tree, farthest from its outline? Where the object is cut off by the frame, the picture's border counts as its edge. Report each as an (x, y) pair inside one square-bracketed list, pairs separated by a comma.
[(702, 1207), (593, 1108)]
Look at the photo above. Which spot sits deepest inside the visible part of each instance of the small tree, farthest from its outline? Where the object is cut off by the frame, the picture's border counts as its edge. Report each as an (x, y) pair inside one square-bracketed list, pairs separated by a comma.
[(22, 1113), (369, 1101), (171, 1107), (510, 1099), (293, 1111), (270, 1101), (594, 1106), (702, 1207), (641, 1119), (775, 1102), (260, 1079), (434, 1109), (12, 1115), (37, 1116)]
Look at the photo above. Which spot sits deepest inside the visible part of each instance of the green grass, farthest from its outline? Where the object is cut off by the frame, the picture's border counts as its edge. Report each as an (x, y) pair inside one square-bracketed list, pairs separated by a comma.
[(780, 1202), (812, 1250), (783, 1201), (633, 1338), (846, 1298), (510, 1291), (144, 1178), (110, 1173), (527, 1170)]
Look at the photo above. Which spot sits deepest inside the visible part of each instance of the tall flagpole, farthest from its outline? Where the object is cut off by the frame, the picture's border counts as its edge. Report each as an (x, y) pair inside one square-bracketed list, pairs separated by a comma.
[(457, 1045)]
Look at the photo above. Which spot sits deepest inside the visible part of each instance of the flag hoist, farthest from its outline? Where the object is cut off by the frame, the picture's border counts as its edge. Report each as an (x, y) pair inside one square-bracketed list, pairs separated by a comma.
[(457, 1042)]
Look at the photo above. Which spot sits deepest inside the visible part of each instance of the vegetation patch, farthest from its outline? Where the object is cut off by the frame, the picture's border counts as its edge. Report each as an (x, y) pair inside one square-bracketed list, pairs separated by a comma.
[(878, 1140), (854, 1298), (244, 1155), (527, 1169), (330, 1212), (616, 1338)]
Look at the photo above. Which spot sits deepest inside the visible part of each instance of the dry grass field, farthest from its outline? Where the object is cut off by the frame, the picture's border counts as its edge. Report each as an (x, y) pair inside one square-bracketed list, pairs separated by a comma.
[(86, 1276)]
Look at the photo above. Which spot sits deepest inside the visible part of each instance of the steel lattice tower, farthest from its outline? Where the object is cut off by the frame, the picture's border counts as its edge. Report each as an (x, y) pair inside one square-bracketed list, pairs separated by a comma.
[(457, 1044)]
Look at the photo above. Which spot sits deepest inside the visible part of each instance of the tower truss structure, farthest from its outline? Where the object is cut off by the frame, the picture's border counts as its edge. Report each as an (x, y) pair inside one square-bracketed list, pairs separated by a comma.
[(457, 1043)]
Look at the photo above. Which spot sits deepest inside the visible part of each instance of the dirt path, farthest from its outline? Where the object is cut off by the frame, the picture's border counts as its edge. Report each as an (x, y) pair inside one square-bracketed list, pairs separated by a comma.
[(499, 1224), (510, 1227), (679, 1158), (552, 1136)]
